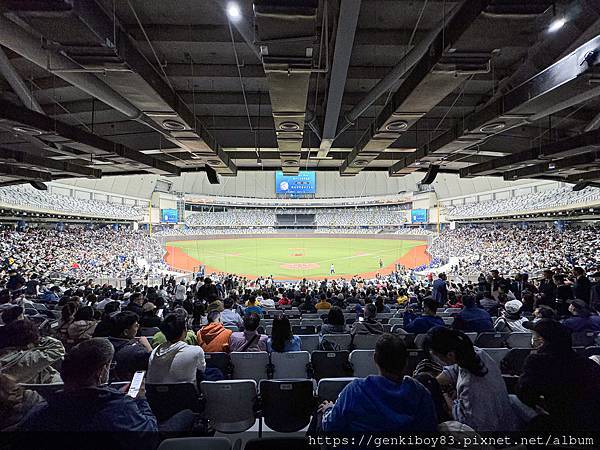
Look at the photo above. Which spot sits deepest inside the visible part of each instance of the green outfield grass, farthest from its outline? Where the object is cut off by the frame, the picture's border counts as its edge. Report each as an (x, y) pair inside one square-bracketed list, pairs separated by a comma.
[(296, 257)]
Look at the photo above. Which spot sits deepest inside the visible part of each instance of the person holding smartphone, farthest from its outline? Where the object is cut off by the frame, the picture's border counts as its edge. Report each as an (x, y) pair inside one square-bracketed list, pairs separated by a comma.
[(87, 405)]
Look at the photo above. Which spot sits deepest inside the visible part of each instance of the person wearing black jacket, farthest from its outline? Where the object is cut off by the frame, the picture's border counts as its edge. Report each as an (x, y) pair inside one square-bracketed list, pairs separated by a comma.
[(547, 290), (564, 293), (135, 303), (206, 290), (582, 286), (560, 382)]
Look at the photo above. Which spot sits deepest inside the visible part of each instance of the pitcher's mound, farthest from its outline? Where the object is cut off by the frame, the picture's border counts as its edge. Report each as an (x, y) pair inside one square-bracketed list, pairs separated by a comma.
[(300, 266)]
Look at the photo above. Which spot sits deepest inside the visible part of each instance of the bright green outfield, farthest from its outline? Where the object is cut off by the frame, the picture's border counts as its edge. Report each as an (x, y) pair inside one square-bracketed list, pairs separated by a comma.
[(268, 256)]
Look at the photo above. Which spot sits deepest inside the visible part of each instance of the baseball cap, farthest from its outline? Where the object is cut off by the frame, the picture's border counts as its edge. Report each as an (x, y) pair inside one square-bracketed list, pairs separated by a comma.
[(579, 304)]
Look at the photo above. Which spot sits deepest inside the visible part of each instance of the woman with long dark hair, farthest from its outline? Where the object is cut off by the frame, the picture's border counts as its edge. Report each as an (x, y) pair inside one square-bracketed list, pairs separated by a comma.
[(282, 339), (471, 381), (335, 323)]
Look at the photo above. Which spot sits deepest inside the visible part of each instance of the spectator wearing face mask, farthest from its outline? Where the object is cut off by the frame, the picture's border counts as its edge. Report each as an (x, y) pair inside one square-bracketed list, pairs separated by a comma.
[(471, 380), (87, 405), (583, 318)]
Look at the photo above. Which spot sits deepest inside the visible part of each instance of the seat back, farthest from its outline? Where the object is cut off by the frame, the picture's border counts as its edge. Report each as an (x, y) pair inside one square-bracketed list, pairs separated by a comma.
[(343, 341), (230, 405), (168, 399), (396, 321), (196, 443), (219, 360), (148, 331), (419, 340), (512, 363), (365, 341), (44, 390), (408, 338), (290, 364), (384, 316), (413, 357), (363, 363), (304, 329), (287, 405), (491, 340), (448, 320), (250, 365), (472, 335), (330, 364), (277, 443), (592, 351), (497, 354), (330, 388), (233, 328), (584, 338), (309, 342), (311, 322), (519, 340)]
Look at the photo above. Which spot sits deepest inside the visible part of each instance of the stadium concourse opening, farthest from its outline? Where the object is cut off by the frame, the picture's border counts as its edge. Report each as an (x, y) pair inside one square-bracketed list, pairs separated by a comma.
[(275, 224)]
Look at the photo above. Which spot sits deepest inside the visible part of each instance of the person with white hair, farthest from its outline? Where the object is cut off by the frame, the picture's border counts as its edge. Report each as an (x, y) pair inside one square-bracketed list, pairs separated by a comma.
[(511, 320)]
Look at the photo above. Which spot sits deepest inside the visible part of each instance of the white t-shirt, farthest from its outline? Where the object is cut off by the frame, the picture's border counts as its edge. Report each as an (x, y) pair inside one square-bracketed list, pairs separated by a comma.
[(175, 363)]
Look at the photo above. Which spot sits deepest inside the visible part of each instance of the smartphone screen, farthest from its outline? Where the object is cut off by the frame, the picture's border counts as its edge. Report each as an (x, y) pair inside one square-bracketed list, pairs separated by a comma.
[(136, 383), (160, 313), (361, 319)]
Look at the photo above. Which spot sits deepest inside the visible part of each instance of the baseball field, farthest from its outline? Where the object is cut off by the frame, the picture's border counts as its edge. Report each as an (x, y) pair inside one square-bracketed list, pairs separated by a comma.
[(288, 258)]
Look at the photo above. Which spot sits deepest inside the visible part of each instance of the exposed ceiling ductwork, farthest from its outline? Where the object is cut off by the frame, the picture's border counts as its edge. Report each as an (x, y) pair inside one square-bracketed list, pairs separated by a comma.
[(533, 161), (566, 83), (161, 79), (133, 91), (96, 148), (436, 75), (148, 90), (344, 41), (286, 31)]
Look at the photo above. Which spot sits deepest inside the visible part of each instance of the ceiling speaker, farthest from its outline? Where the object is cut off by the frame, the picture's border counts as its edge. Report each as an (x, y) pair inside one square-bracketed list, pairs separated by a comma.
[(431, 174), (39, 185), (211, 175), (581, 186)]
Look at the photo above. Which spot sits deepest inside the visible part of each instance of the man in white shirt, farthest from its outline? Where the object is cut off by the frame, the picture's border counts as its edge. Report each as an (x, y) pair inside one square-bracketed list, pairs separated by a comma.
[(175, 361), (180, 291)]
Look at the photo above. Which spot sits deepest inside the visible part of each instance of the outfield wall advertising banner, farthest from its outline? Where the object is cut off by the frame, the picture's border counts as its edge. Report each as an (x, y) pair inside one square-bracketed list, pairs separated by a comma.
[(418, 216), (303, 183), (169, 216)]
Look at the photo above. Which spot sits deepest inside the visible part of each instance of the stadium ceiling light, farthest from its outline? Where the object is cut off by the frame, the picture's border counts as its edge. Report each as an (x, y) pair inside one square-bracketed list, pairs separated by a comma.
[(233, 11), (557, 25)]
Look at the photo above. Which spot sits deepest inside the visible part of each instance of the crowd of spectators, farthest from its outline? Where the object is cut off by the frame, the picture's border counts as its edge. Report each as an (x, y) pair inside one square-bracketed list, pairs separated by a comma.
[(27, 197), (98, 339), (80, 252), (513, 249), (555, 198), (339, 217), (93, 334)]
